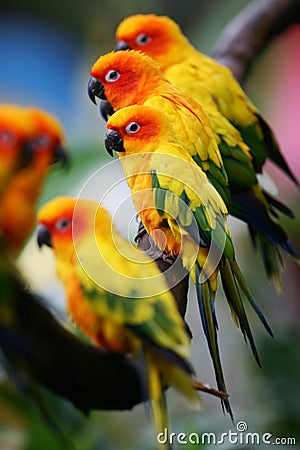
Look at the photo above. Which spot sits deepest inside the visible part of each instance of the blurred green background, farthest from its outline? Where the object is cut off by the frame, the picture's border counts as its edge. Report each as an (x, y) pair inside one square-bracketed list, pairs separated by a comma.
[(46, 51)]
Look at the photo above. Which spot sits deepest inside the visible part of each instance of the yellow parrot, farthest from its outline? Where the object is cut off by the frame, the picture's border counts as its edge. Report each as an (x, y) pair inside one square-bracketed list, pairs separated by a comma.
[(29, 143), (172, 194), (199, 76), (118, 297)]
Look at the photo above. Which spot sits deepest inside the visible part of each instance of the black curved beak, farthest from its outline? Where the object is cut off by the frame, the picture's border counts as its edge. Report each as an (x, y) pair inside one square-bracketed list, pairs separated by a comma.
[(95, 89), (122, 45), (106, 110), (113, 142), (26, 155), (43, 236), (61, 156)]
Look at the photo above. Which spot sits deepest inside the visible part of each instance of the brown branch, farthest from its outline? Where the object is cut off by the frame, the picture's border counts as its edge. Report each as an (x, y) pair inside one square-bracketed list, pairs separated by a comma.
[(37, 348), (250, 31)]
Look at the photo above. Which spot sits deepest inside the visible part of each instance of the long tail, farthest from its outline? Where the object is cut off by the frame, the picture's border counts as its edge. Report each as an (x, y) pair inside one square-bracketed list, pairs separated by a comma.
[(274, 153), (233, 281), (206, 296), (158, 403), (272, 259), (266, 234)]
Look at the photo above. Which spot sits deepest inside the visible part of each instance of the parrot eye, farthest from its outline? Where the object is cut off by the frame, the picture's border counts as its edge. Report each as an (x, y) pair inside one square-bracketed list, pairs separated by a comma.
[(62, 224), (42, 140), (6, 138), (142, 39), (132, 128), (111, 76)]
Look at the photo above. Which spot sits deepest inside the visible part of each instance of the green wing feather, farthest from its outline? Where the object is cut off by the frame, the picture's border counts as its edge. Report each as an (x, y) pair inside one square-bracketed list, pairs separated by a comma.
[(182, 209), (217, 176), (155, 318)]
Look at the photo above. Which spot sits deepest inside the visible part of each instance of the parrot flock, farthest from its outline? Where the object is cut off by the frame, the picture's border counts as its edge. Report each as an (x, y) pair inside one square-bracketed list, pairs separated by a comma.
[(191, 146)]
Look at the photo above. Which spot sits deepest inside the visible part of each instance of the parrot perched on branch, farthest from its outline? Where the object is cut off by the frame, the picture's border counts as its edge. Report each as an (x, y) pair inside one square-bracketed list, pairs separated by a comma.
[(29, 143), (172, 194), (199, 76), (129, 77), (118, 297), (18, 200)]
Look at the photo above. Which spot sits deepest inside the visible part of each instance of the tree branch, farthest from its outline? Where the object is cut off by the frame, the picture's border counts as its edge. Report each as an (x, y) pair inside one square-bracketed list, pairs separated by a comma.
[(250, 31), (37, 348)]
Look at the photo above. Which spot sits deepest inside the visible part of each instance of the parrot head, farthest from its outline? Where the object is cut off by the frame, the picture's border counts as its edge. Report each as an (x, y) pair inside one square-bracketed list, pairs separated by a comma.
[(19, 196), (48, 140), (66, 220), (123, 78), (137, 128), (55, 220), (156, 36), (15, 132)]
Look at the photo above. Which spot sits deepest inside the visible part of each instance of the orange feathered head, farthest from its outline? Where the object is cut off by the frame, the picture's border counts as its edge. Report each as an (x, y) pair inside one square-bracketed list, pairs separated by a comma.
[(137, 129), (55, 220), (64, 221), (48, 139), (18, 199), (157, 36), (124, 78), (15, 131)]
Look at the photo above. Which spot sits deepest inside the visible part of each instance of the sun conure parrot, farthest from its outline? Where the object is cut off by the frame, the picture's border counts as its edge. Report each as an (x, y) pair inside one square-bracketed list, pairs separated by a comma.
[(15, 131), (202, 78), (129, 77), (18, 201), (118, 297), (172, 194), (20, 148)]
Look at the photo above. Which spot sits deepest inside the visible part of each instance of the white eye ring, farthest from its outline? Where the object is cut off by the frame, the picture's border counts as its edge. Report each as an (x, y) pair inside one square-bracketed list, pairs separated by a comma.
[(111, 76), (42, 141), (132, 128), (142, 39), (62, 224), (6, 137)]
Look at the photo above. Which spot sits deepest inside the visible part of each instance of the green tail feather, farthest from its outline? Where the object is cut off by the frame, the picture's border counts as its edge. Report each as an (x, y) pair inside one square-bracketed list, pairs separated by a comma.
[(272, 260), (243, 285), (274, 153), (235, 303), (209, 323)]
